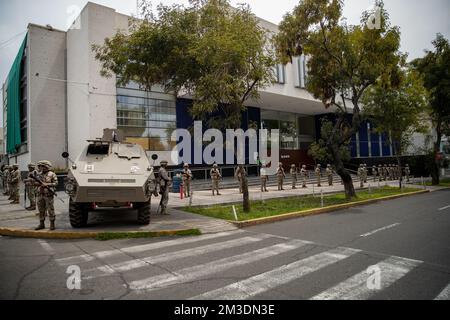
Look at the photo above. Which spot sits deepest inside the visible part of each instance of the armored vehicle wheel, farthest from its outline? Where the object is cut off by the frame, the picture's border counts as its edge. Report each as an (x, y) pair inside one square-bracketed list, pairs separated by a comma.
[(78, 214), (143, 215)]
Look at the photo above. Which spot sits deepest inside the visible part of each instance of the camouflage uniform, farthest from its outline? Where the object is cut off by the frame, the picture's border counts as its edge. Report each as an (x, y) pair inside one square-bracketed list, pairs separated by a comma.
[(304, 174), (30, 188), (407, 172), (374, 173), (187, 178), (14, 183), (385, 173), (380, 173), (264, 178), (318, 175), (239, 173), (293, 173), (280, 176), (215, 178), (45, 199), (361, 175), (365, 172), (6, 180), (164, 185), (329, 172)]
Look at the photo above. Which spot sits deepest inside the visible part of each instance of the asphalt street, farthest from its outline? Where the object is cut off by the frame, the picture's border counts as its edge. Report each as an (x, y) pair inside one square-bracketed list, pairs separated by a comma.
[(398, 249)]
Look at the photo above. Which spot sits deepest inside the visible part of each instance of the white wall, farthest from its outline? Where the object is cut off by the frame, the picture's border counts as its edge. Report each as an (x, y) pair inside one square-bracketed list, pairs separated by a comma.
[(46, 98)]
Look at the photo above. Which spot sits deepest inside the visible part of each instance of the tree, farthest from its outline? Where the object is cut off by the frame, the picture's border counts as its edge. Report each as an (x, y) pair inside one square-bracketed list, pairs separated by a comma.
[(344, 61), (213, 52), (435, 68), (397, 104)]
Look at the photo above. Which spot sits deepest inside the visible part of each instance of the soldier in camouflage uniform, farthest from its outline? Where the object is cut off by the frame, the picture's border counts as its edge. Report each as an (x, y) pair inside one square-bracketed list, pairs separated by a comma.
[(14, 182), (374, 173), (6, 180), (361, 175), (304, 174), (45, 192), (264, 178), (30, 188), (164, 185), (365, 172), (280, 176), (239, 174), (187, 178), (293, 173), (318, 175), (380, 173), (329, 172), (215, 178), (407, 172)]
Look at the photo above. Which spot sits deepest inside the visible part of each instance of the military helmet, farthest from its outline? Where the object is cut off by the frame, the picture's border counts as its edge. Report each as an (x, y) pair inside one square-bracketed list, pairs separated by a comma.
[(16, 166), (164, 162), (304, 166), (186, 165), (45, 163), (329, 166), (292, 165), (215, 165), (31, 165), (280, 164)]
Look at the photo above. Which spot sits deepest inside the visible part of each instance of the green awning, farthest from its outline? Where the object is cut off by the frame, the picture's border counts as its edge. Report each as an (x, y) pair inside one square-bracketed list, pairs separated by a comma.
[(14, 96)]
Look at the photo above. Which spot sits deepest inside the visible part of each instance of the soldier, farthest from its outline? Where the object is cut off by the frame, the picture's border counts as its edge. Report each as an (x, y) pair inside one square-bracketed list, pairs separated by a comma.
[(14, 183), (187, 177), (239, 174), (384, 172), (374, 173), (318, 175), (293, 173), (329, 172), (264, 178), (407, 172), (361, 175), (164, 185), (304, 174), (45, 192), (280, 176), (30, 189), (215, 178), (8, 182), (380, 173), (5, 180), (365, 172)]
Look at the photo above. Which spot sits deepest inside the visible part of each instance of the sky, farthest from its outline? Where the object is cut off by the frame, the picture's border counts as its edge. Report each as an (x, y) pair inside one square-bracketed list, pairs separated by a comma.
[(419, 20)]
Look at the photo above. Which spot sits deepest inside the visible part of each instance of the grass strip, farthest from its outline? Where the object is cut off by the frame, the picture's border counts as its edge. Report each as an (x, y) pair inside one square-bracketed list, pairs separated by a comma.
[(105, 236)]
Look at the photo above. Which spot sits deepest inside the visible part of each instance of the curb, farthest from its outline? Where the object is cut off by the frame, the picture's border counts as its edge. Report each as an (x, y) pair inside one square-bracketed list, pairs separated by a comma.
[(67, 235), (310, 212)]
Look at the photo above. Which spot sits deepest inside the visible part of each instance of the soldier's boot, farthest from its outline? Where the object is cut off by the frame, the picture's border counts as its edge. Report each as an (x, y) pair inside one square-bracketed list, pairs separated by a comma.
[(40, 226), (52, 225), (15, 202), (31, 208)]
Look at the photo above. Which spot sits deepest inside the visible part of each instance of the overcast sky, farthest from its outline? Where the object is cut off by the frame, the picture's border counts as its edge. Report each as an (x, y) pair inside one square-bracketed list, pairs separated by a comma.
[(419, 20)]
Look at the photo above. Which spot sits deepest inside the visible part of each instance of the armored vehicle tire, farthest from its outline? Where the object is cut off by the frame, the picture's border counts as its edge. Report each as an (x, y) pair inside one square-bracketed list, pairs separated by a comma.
[(78, 214), (143, 213)]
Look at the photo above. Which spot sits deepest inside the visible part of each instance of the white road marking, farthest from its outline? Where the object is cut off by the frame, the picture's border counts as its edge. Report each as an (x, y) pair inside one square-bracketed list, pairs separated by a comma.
[(443, 208), (170, 256), (378, 230), (356, 288), (213, 267), (141, 248), (445, 294), (250, 287), (44, 244)]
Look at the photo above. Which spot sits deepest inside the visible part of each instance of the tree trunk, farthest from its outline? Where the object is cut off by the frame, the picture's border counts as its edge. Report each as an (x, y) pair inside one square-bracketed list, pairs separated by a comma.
[(436, 148), (245, 196), (343, 173)]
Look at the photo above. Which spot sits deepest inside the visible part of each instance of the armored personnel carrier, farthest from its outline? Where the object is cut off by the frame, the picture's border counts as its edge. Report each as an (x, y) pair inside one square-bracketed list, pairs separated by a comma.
[(110, 173)]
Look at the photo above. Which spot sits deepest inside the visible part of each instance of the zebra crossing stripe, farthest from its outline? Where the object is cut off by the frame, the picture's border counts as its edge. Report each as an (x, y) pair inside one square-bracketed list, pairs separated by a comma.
[(253, 286), (141, 248), (445, 294), (213, 267), (170, 256), (357, 288)]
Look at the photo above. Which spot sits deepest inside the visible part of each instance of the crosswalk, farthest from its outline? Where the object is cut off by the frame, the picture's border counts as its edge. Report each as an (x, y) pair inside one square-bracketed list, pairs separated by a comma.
[(273, 261)]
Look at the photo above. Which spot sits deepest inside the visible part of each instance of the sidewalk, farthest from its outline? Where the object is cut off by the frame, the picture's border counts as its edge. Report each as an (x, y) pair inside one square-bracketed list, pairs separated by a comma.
[(116, 220)]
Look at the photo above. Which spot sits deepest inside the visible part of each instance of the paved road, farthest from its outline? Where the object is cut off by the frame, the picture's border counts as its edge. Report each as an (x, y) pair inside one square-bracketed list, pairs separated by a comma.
[(405, 241)]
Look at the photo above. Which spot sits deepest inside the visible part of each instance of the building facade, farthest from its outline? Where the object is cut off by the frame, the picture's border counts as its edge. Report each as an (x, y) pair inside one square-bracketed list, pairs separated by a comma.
[(63, 100)]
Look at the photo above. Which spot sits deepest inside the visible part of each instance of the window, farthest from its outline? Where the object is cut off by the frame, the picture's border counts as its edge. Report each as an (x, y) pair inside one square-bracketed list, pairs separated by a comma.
[(280, 74), (146, 118), (287, 124), (300, 71)]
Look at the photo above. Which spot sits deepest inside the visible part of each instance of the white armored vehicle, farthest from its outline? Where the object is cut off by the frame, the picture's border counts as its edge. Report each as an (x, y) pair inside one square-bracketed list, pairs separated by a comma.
[(110, 173)]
